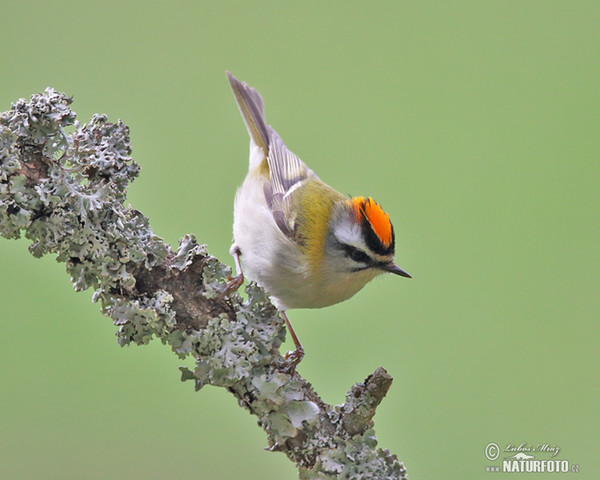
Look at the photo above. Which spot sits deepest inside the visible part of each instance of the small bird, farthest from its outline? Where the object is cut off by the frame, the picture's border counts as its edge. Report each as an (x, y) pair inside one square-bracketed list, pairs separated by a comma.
[(305, 243)]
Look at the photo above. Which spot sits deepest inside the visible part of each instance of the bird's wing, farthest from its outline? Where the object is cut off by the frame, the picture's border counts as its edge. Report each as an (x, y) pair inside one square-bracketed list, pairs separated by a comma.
[(287, 174)]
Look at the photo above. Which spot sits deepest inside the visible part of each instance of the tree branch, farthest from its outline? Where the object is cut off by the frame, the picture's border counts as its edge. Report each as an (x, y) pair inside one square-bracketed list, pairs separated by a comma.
[(66, 192)]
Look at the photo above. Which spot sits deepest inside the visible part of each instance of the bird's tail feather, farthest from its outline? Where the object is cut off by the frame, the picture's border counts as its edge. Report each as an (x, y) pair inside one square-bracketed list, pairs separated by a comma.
[(251, 107)]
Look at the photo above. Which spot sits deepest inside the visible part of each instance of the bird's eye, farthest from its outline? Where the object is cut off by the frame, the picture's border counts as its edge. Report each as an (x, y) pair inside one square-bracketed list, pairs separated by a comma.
[(356, 254)]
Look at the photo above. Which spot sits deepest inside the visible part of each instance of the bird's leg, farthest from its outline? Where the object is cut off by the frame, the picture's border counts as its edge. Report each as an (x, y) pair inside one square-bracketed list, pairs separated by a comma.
[(236, 282), (293, 357)]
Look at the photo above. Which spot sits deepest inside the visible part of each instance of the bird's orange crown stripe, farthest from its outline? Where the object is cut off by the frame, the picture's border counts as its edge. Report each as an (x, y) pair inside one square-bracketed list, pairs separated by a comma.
[(379, 220)]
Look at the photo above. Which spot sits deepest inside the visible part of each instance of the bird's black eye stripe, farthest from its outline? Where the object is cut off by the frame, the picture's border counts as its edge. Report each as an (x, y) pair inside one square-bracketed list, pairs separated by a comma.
[(356, 254)]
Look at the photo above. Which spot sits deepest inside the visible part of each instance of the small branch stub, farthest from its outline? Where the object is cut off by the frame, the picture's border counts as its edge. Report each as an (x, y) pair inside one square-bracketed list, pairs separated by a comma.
[(363, 399)]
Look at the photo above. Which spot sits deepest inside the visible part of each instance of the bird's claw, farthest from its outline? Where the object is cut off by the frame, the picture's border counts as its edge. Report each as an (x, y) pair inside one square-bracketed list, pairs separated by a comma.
[(234, 283), (292, 359)]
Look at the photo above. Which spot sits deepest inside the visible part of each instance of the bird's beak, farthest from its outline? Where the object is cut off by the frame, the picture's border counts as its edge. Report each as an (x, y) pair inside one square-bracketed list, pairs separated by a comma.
[(393, 268)]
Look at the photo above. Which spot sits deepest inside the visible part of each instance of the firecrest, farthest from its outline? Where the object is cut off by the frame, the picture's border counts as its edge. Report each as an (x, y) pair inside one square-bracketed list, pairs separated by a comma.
[(308, 245)]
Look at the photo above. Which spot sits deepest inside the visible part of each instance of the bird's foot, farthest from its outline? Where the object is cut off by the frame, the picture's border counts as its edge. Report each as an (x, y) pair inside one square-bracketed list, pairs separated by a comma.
[(292, 359), (234, 283)]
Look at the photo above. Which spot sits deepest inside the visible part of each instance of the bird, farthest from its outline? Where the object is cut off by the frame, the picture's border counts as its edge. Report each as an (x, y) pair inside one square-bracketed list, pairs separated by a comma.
[(305, 243)]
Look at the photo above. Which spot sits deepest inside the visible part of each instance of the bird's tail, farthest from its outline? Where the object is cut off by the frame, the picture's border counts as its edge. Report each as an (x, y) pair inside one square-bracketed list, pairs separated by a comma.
[(251, 107)]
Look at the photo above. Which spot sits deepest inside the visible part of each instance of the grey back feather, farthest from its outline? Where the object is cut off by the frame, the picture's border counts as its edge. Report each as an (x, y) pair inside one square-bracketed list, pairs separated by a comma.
[(285, 168)]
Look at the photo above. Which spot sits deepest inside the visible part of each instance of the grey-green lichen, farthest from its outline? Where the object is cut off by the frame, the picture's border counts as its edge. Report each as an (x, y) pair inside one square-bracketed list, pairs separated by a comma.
[(63, 185)]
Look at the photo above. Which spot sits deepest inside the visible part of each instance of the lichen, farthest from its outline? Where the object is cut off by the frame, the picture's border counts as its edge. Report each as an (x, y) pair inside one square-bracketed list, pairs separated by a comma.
[(227, 351)]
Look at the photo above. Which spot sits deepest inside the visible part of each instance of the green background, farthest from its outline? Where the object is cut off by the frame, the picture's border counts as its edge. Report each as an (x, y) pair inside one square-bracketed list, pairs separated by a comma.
[(475, 125)]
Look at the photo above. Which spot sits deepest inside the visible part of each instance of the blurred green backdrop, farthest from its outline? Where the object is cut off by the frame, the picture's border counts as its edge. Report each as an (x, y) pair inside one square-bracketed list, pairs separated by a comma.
[(475, 124)]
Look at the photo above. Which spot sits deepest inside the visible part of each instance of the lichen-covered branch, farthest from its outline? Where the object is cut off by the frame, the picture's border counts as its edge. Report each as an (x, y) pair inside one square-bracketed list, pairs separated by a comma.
[(63, 185)]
